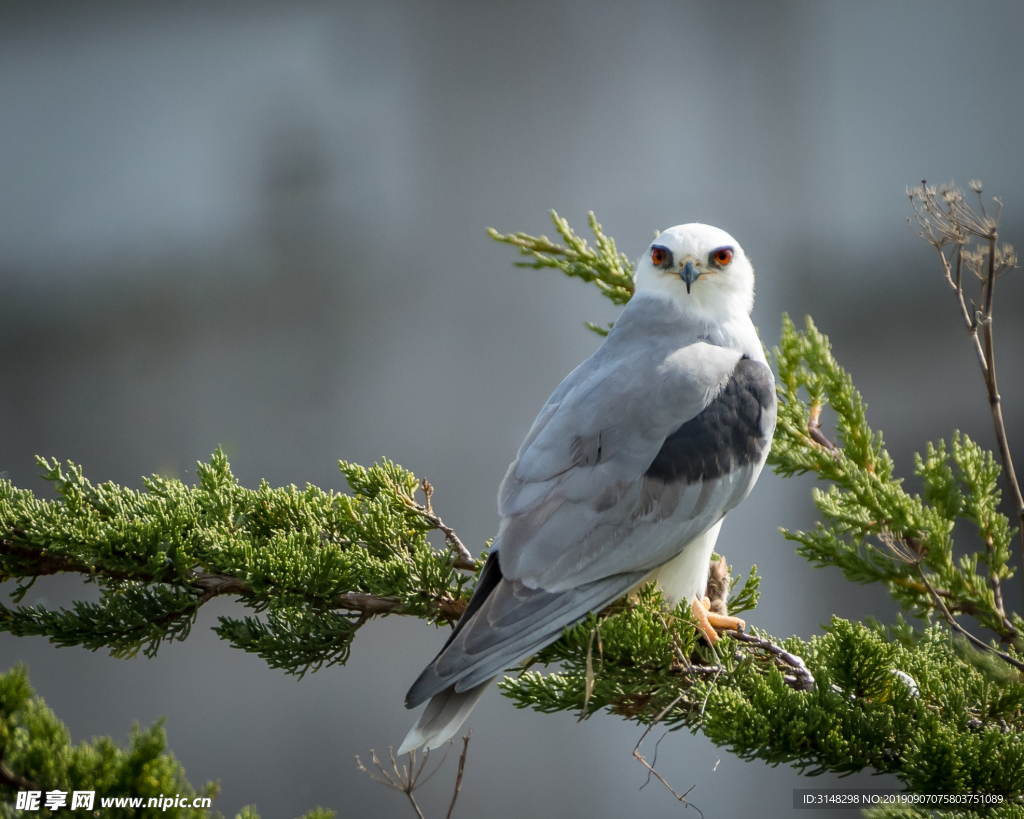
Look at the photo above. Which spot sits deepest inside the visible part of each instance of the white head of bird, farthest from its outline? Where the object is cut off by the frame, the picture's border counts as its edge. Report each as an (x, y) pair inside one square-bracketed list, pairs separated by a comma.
[(702, 269)]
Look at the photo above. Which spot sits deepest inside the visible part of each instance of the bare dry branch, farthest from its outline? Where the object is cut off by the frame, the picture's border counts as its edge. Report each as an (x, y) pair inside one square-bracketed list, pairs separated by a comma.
[(408, 778), (404, 779), (650, 768), (464, 558), (458, 776), (944, 218)]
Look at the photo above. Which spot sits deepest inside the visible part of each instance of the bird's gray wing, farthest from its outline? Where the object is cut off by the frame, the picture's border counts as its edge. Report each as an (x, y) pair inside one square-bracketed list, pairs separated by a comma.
[(654, 441), (640, 450)]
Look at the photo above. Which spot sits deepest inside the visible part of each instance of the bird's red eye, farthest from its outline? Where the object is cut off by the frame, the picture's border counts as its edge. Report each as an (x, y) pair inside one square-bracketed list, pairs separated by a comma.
[(722, 256), (658, 255)]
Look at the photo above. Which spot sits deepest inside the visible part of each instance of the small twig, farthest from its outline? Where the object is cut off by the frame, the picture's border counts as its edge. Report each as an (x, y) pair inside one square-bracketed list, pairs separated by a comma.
[(801, 680), (406, 779), (588, 686), (970, 319), (458, 776), (815, 433), (1009, 630), (690, 668), (908, 550), (911, 551), (464, 558), (428, 492), (960, 629), (714, 680), (650, 769), (677, 649), (415, 807)]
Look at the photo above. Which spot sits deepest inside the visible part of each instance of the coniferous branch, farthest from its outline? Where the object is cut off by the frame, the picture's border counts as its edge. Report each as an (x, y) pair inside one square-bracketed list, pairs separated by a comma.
[(874, 531), (38, 755), (610, 270), (894, 702), (315, 564)]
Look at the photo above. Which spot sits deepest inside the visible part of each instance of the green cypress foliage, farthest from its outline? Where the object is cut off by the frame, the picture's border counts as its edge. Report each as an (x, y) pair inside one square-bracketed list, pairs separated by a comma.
[(36, 746), (942, 714), (316, 564), (603, 265)]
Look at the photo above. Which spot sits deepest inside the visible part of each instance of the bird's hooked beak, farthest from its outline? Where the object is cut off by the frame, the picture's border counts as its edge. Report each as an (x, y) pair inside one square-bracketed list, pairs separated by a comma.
[(689, 274)]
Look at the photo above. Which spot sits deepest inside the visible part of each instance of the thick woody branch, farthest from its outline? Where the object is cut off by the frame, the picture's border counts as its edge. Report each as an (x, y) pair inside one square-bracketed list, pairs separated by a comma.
[(216, 585), (794, 671), (371, 605), (44, 564)]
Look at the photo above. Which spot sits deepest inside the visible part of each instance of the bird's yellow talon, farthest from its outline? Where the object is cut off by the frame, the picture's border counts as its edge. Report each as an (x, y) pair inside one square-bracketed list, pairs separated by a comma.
[(726, 622), (708, 620), (703, 623)]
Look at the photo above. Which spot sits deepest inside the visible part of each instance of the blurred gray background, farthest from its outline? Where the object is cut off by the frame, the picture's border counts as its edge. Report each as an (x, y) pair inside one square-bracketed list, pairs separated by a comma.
[(262, 225)]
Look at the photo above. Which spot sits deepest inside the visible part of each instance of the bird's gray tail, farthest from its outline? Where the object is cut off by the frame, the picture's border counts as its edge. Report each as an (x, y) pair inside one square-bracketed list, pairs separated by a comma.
[(442, 718)]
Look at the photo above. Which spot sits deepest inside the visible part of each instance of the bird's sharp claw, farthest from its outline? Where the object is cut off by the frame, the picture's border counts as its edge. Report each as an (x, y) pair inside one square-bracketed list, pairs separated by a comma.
[(724, 621), (708, 620), (701, 613)]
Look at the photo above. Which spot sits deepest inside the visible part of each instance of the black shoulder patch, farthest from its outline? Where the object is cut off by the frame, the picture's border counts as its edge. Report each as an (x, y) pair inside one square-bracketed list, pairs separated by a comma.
[(726, 434)]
